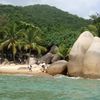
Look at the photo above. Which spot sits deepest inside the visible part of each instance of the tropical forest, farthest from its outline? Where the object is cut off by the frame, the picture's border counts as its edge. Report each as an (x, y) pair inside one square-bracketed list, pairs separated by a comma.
[(35, 29)]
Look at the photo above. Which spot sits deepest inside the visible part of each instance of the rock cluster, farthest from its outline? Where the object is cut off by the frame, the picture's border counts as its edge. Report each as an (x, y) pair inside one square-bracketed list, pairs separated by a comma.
[(84, 59)]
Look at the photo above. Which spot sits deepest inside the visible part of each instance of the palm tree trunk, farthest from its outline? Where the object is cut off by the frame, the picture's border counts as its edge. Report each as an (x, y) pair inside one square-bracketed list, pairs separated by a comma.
[(14, 58), (2, 57), (29, 56)]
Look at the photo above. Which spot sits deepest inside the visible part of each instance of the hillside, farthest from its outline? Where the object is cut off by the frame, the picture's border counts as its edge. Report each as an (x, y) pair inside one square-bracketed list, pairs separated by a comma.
[(60, 28), (49, 18)]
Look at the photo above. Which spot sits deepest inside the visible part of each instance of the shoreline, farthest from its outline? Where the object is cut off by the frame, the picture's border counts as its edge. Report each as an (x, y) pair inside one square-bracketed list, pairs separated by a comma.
[(30, 75), (22, 69)]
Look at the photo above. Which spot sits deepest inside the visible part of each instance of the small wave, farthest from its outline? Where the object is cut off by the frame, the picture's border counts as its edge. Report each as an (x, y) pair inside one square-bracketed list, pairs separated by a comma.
[(59, 76), (63, 76), (74, 77), (98, 79)]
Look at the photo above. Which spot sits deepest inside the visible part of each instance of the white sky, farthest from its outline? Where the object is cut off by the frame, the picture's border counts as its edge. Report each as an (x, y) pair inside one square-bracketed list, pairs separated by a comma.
[(82, 8)]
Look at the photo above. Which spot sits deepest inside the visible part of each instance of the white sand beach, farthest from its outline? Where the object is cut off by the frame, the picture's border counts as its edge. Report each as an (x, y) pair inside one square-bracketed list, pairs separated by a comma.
[(20, 69)]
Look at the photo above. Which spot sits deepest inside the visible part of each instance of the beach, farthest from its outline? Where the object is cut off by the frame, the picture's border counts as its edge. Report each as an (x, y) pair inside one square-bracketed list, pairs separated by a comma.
[(22, 69)]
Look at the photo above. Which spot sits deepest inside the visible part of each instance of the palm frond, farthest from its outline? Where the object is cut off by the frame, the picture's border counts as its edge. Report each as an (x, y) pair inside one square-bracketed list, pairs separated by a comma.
[(43, 49), (26, 47), (4, 44), (34, 45), (40, 49), (9, 45)]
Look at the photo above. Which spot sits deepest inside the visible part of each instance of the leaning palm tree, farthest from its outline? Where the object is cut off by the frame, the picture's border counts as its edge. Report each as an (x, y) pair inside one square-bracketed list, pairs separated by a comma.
[(31, 39), (11, 40)]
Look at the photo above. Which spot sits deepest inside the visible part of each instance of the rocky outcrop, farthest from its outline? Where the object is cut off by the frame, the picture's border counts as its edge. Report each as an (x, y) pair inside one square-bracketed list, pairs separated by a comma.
[(54, 49), (46, 58), (77, 53), (59, 67), (51, 56), (92, 60), (55, 58)]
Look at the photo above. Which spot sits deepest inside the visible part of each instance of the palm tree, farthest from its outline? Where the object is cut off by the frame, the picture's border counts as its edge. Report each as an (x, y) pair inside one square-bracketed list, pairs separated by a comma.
[(11, 40), (32, 38)]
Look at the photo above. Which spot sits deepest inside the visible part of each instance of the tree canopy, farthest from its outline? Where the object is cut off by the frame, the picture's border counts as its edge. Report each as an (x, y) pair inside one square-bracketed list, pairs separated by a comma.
[(42, 25)]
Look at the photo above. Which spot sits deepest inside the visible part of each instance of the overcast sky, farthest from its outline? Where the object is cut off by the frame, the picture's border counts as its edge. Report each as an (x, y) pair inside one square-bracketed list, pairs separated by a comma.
[(82, 8)]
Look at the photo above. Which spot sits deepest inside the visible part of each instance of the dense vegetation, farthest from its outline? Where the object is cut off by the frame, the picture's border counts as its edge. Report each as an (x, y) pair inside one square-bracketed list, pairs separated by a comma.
[(94, 27), (32, 29)]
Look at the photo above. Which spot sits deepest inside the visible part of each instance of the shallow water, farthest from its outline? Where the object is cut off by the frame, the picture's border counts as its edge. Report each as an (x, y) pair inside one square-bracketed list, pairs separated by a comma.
[(45, 88)]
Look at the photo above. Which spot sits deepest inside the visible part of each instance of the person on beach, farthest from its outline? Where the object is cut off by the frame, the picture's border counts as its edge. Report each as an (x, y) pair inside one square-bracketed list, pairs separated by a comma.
[(30, 67), (43, 65)]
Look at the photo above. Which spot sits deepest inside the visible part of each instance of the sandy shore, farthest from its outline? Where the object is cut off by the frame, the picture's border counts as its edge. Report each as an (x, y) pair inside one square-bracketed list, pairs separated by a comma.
[(22, 69)]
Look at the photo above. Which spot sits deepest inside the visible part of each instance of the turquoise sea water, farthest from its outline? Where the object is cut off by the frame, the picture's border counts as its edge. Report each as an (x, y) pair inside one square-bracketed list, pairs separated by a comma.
[(47, 88)]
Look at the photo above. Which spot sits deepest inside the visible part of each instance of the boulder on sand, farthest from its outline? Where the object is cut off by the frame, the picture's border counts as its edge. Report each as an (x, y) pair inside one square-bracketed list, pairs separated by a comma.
[(77, 52), (46, 58), (51, 56), (56, 58), (59, 67), (92, 60)]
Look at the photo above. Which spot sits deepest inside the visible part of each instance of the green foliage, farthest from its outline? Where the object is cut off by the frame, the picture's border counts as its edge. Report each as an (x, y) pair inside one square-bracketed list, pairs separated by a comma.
[(64, 40), (66, 37), (15, 39), (95, 26), (55, 27), (64, 51), (48, 18), (30, 38), (11, 40), (93, 29)]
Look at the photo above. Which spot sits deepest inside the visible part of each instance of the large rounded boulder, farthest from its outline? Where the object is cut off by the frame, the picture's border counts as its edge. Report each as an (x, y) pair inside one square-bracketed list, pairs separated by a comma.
[(77, 53), (92, 60), (59, 67)]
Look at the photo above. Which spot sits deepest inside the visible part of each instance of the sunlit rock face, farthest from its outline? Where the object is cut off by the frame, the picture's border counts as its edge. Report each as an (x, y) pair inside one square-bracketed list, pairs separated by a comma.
[(92, 59), (58, 67), (76, 55)]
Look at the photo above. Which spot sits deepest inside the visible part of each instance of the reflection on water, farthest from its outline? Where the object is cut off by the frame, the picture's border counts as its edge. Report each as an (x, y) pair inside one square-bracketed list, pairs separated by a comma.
[(45, 88)]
